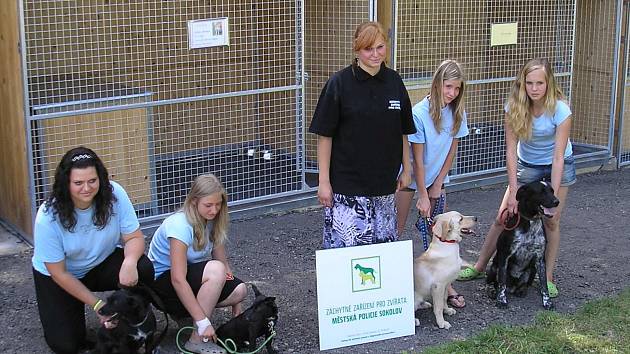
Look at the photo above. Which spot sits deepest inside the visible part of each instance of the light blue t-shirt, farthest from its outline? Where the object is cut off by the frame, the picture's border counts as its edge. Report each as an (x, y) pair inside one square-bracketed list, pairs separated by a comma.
[(177, 227), (86, 246), (539, 149), (436, 144)]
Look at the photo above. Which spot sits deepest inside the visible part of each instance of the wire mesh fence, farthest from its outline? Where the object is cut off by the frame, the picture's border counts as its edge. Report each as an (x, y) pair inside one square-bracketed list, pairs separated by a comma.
[(122, 78), (428, 32), (595, 75), (329, 27), (624, 121)]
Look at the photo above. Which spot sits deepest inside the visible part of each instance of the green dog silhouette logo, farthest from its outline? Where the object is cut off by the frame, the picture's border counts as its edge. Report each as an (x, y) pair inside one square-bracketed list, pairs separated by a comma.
[(366, 274)]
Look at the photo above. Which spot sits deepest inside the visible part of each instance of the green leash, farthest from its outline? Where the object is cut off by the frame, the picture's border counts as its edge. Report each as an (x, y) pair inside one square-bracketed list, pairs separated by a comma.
[(229, 344)]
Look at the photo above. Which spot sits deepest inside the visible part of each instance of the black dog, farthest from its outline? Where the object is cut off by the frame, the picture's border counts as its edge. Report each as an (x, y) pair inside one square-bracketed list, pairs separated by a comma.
[(258, 320), (521, 249), (131, 326)]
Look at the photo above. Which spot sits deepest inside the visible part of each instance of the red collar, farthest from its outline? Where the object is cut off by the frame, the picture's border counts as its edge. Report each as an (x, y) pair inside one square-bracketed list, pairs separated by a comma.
[(447, 241)]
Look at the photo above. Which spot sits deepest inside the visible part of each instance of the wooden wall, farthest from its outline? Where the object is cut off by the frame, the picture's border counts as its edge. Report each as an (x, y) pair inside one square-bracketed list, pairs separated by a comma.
[(118, 137), (625, 116), (143, 45), (593, 71), (328, 32), (15, 203)]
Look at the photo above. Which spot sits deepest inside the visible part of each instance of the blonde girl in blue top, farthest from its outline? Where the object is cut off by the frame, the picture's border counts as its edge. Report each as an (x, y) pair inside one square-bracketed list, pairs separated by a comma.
[(440, 122), (537, 127), (193, 275)]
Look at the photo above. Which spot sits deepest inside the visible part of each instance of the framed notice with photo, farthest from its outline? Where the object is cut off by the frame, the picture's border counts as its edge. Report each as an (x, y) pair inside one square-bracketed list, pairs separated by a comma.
[(208, 33), (364, 293)]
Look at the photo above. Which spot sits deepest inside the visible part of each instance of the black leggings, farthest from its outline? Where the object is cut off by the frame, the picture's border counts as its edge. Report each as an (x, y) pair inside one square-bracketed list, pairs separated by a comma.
[(63, 316)]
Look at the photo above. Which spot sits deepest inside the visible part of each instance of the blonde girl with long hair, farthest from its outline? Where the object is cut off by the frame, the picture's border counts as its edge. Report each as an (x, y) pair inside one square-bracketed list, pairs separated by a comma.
[(193, 275), (537, 127), (440, 122)]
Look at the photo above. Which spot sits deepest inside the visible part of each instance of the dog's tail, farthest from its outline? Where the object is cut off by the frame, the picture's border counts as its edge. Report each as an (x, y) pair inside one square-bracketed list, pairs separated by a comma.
[(255, 288)]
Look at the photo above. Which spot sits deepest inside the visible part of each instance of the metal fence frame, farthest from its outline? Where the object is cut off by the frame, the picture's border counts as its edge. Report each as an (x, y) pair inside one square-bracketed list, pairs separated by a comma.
[(51, 112), (623, 153), (301, 107)]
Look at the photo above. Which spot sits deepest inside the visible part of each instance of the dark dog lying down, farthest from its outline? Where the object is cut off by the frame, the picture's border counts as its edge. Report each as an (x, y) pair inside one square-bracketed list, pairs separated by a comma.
[(521, 251), (131, 326), (258, 320)]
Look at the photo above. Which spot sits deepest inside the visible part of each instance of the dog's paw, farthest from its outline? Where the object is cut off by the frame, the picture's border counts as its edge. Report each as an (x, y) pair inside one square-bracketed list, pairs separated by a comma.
[(424, 305), (444, 325), (417, 322), (548, 305), (502, 304), (449, 311)]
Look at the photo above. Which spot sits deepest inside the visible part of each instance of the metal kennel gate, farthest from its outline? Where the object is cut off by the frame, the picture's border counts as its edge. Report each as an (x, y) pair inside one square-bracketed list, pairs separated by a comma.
[(329, 27), (477, 33), (163, 95), (428, 32), (623, 128), (125, 79)]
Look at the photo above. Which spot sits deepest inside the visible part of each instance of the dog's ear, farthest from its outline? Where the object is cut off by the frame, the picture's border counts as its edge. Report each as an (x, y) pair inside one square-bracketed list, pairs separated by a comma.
[(522, 191), (441, 228)]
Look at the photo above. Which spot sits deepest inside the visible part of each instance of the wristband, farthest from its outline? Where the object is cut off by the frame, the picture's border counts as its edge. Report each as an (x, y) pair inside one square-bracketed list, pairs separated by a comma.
[(202, 325), (97, 304)]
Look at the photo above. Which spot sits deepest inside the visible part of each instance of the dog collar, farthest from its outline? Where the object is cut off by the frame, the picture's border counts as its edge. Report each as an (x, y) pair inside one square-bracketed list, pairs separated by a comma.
[(142, 322), (447, 241)]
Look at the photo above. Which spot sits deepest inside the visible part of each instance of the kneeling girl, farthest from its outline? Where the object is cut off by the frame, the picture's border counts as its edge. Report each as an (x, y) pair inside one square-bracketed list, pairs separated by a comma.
[(193, 275)]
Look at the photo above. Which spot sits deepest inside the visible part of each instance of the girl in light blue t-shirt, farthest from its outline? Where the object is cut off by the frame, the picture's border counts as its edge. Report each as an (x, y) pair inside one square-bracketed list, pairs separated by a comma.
[(440, 122), (87, 239), (193, 275), (537, 122)]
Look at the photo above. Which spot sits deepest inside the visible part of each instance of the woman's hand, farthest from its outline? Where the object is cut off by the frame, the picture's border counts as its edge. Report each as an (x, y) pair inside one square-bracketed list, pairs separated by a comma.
[(325, 194), (205, 330), (106, 321), (209, 334), (512, 203), (128, 275), (424, 205)]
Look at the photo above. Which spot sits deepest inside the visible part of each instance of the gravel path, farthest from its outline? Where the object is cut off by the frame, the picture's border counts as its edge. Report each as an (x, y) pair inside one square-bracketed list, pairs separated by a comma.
[(279, 253)]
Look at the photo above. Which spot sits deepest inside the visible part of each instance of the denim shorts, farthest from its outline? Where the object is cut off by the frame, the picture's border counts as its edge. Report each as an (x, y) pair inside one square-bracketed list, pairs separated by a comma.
[(527, 172)]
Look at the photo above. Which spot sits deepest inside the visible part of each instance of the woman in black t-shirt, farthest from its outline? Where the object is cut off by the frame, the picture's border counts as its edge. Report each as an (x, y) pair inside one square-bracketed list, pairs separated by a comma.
[(362, 118)]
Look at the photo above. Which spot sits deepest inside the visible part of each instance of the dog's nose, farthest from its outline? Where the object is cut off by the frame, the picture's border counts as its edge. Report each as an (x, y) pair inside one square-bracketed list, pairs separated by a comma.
[(556, 202)]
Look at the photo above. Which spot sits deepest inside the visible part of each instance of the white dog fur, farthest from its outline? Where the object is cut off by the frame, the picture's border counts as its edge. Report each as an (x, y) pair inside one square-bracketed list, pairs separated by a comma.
[(438, 266)]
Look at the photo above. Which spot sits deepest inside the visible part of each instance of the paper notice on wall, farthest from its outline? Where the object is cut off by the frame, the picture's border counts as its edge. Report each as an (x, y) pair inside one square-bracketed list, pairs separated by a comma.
[(208, 33), (503, 34)]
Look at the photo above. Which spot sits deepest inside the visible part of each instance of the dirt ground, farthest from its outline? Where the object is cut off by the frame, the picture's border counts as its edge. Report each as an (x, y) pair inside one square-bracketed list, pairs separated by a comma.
[(279, 253)]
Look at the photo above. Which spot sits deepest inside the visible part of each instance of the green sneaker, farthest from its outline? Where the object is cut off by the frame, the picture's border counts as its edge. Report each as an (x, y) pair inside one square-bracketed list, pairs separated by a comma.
[(553, 289), (470, 273)]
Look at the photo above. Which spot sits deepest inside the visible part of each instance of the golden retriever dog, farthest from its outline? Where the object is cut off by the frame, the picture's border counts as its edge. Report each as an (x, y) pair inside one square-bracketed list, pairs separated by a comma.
[(439, 265)]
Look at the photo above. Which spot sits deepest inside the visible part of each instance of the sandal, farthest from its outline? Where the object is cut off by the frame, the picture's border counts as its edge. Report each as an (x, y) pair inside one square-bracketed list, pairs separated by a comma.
[(456, 301), (553, 289), (204, 348), (470, 273)]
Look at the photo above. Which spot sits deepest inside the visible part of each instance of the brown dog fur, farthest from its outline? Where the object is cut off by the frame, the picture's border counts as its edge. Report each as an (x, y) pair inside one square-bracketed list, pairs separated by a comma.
[(438, 266)]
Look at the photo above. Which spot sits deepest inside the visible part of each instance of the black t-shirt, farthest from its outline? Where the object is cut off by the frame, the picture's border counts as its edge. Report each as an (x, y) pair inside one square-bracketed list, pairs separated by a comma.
[(366, 116)]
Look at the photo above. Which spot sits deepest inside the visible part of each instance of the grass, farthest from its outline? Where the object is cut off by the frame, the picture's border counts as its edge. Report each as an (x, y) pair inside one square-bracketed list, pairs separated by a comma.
[(601, 326)]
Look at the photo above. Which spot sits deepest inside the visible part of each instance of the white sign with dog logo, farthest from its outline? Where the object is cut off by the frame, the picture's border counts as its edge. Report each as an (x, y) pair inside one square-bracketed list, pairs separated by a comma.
[(364, 294)]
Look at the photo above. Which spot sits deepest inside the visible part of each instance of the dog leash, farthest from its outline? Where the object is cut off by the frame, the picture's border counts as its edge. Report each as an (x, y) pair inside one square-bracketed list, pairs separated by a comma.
[(229, 344), (504, 220), (159, 304), (423, 224)]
